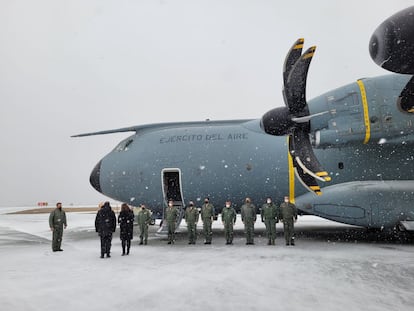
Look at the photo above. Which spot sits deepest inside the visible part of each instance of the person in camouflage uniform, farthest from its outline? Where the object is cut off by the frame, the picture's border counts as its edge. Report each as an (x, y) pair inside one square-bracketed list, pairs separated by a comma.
[(208, 214), (228, 217), (144, 219), (288, 215), (171, 215), (270, 216), (248, 215), (57, 221), (191, 218)]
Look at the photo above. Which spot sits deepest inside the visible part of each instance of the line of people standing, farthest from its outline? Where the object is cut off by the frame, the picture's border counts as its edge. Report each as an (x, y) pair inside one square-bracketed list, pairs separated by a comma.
[(105, 223), (270, 215)]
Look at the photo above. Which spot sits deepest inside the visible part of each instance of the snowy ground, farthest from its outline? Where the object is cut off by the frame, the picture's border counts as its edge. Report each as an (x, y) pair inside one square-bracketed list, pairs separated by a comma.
[(332, 267)]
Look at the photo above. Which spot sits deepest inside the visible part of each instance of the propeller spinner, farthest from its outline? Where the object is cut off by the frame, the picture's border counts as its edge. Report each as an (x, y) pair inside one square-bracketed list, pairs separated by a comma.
[(283, 120), (392, 47)]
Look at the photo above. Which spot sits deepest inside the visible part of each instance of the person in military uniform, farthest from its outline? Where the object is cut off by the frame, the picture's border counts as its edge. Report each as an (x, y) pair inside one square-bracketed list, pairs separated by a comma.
[(144, 219), (57, 221), (126, 225), (288, 215), (105, 225), (191, 218), (208, 214), (248, 215), (228, 217), (270, 216), (171, 217)]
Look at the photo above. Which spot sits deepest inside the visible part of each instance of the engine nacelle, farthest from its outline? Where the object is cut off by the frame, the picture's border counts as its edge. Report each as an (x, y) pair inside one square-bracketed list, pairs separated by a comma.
[(365, 112)]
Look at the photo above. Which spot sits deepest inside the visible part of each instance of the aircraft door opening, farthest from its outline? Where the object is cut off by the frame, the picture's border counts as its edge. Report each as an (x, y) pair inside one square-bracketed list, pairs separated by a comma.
[(172, 190), (172, 185)]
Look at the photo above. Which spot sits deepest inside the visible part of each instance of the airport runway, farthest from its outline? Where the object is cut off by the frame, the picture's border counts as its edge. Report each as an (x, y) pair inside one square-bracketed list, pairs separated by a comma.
[(332, 267)]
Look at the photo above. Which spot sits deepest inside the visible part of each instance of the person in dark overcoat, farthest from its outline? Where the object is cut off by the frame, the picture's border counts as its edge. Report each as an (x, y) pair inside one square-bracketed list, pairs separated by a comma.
[(105, 225), (126, 226)]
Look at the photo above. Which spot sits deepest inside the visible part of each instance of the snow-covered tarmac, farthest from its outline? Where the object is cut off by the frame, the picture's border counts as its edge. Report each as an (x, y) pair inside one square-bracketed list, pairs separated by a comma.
[(332, 267)]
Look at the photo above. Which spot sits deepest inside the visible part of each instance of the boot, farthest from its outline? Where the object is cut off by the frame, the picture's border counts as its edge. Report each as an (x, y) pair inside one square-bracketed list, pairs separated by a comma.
[(140, 243), (145, 242), (269, 242), (123, 250), (273, 241)]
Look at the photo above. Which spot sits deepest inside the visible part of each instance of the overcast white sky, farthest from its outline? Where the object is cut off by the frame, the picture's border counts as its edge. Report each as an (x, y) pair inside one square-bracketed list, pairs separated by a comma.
[(68, 67)]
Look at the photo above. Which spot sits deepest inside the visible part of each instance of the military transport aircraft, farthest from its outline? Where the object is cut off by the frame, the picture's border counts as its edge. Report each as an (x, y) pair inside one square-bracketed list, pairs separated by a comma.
[(357, 141)]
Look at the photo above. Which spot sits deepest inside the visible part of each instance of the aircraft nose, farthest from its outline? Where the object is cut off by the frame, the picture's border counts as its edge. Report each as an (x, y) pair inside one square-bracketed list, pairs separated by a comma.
[(95, 176)]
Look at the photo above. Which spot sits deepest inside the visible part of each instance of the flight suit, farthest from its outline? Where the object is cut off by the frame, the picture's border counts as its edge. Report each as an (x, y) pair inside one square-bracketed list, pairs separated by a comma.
[(288, 214), (270, 216), (228, 217), (207, 214), (144, 219), (191, 218), (171, 215), (248, 215), (57, 219)]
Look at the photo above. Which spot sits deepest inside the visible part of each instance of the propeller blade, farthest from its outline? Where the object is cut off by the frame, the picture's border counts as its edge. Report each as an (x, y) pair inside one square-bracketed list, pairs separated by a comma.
[(291, 58), (294, 121), (302, 151), (295, 86), (406, 98), (309, 117), (307, 181)]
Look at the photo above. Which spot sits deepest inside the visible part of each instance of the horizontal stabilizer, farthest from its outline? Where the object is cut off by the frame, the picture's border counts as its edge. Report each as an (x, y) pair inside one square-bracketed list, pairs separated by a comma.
[(169, 125), (121, 130)]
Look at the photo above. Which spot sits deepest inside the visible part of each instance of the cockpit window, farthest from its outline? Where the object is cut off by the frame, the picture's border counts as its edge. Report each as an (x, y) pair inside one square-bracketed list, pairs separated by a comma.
[(124, 145)]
